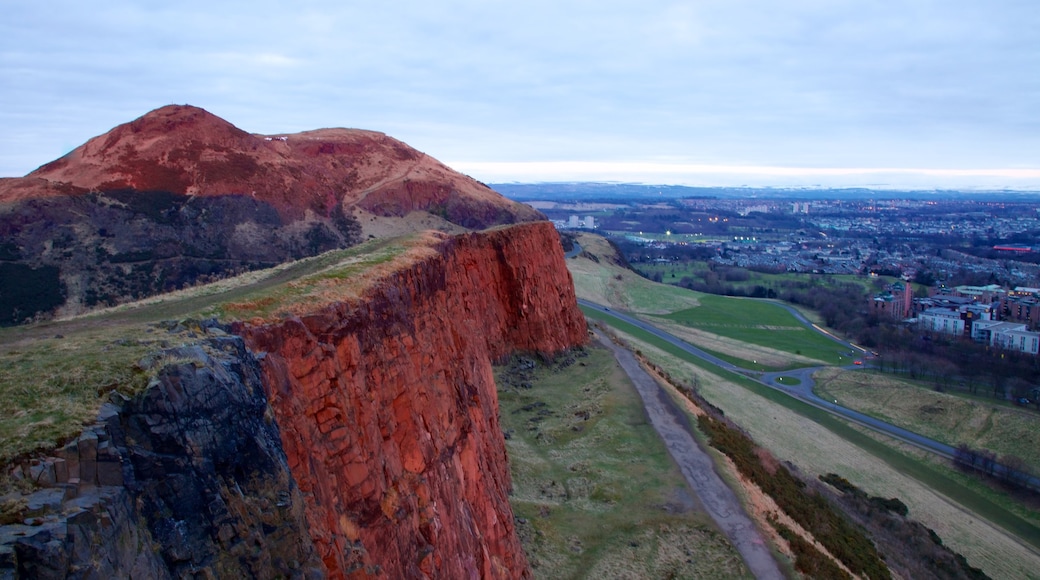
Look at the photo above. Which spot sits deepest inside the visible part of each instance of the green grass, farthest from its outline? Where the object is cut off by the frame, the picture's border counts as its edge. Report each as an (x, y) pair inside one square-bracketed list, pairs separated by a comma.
[(53, 386), (761, 323), (963, 495), (673, 273), (594, 488), (789, 381), (55, 376)]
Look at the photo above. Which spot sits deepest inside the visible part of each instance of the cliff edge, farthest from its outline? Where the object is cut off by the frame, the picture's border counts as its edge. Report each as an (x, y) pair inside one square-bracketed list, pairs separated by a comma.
[(388, 409), (355, 436)]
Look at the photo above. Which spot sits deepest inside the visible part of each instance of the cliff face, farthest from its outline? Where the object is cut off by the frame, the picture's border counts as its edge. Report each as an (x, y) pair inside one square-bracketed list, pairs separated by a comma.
[(187, 476), (388, 410), (359, 439)]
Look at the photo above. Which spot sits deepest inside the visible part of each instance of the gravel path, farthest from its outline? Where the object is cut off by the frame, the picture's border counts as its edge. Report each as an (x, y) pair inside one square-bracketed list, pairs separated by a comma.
[(718, 499)]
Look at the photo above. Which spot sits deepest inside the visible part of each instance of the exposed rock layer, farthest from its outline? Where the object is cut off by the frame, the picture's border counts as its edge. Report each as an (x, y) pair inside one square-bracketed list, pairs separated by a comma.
[(388, 409)]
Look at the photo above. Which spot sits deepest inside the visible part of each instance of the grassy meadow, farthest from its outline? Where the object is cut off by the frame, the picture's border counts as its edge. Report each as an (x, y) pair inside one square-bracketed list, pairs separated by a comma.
[(951, 419), (594, 490), (673, 273), (988, 527)]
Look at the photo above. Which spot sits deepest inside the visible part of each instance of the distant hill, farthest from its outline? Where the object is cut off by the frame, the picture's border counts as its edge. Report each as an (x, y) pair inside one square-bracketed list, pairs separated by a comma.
[(598, 191), (180, 195)]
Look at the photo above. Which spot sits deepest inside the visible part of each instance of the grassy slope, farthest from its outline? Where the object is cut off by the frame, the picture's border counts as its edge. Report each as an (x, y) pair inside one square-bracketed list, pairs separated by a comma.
[(952, 419), (600, 496), (937, 496), (55, 376)]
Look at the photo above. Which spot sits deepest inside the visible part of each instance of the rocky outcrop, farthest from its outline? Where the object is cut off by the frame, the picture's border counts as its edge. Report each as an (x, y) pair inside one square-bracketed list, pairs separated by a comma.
[(388, 409), (188, 476)]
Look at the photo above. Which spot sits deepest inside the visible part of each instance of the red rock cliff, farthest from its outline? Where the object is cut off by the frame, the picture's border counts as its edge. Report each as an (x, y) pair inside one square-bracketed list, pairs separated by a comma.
[(388, 410)]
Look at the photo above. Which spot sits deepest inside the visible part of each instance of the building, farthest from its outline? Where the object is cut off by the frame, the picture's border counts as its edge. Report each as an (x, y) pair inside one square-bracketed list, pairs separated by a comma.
[(574, 222), (1022, 305), (1007, 336), (590, 222), (990, 293), (894, 302), (942, 320)]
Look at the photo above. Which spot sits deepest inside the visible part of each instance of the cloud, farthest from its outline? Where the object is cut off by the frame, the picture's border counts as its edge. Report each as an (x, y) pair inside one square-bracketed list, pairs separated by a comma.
[(740, 82)]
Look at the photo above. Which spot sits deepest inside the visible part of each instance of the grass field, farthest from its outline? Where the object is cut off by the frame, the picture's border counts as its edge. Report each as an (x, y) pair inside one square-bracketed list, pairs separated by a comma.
[(947, 418), (816, 445), (673, 273), (750, 333), (759, 323), (594, 490), (958, 508), (619, 287)]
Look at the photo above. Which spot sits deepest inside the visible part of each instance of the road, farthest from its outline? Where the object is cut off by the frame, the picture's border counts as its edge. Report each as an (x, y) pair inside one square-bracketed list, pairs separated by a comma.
[(802, 391), (718, 499)]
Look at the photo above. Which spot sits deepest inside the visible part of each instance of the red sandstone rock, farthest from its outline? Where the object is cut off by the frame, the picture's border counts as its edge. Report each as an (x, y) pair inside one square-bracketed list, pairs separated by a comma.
[(388, 410)]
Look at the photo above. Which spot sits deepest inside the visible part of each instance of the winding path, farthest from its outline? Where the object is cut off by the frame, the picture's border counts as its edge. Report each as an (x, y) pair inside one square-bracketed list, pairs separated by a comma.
[(718, 499)]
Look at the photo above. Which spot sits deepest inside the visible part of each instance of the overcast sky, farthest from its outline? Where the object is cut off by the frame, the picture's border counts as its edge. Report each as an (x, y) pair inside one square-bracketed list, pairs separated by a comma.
[(942, 93)]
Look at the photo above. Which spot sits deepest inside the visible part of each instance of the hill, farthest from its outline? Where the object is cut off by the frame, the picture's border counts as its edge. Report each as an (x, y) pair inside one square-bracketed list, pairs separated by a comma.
[(181, 196)]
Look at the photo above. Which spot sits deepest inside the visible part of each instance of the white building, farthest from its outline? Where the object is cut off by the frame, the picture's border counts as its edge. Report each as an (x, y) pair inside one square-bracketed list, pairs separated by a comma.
[(590, 222), (1006, 335), (941, 320), (574, 222)]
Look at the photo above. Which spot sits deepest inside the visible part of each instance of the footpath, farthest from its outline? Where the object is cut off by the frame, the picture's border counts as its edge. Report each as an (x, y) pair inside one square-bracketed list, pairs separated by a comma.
[(718, 499)]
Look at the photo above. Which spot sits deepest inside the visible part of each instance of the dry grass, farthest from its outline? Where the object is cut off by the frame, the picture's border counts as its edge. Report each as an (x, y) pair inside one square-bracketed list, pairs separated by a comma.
[(53, 386), (606, 283), (344, 278), (380, 227), (594, 487), (815, 450), (947, 418), (54, 377)]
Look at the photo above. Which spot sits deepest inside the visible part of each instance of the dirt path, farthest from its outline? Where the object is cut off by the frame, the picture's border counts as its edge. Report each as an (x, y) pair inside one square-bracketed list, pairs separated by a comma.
[(719, 501)]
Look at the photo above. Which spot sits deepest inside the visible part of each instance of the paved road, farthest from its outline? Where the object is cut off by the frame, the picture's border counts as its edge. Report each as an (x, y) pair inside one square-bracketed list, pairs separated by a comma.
[(803, 391), (718, 499)]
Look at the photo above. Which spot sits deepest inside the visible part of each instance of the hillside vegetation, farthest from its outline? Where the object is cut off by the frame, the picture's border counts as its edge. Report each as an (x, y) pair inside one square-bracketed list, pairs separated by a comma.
[(55, 376), (814, 450), (595, 492)]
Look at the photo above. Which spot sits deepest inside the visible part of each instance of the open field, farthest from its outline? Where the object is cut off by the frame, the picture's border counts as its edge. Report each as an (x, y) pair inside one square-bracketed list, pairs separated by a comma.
[(958, 508), (947, 418), (673, 273), (594, 490), (816, 449), (759, 323), (744, 354), (740, 329)]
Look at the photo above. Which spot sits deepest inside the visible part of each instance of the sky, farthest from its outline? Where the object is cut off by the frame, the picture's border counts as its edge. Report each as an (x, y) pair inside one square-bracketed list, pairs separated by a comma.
[(799, 93)]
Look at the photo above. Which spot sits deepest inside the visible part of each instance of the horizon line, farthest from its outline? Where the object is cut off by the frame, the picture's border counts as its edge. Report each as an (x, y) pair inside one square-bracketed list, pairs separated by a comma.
[(731, 175)]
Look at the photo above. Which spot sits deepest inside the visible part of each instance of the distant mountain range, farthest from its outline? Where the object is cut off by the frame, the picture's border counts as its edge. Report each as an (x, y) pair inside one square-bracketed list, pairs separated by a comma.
[(614, 191)]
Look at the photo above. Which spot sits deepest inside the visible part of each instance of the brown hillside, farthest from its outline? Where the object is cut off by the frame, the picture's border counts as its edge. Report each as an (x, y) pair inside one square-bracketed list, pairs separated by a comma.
[(187, 150)]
